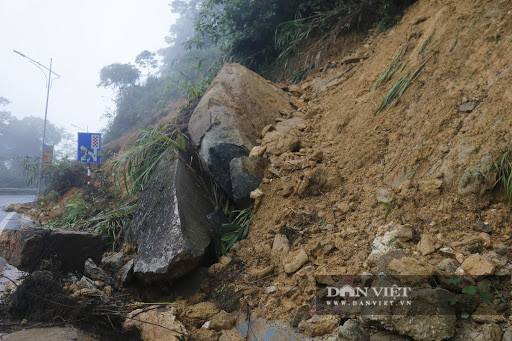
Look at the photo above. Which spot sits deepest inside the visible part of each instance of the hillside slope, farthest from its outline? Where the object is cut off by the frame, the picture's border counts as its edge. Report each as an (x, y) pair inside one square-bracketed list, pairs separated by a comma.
[(424, 162)]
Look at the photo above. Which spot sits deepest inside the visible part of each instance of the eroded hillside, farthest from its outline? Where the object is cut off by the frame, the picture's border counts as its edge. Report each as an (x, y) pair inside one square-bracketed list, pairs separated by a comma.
[(425, 162)]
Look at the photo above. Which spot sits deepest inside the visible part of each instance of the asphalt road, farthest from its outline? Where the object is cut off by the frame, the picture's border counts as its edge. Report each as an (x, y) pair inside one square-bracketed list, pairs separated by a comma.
[(10, 220)]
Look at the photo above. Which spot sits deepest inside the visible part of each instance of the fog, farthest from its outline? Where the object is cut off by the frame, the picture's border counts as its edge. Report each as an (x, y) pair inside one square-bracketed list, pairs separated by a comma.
[(81, 37)]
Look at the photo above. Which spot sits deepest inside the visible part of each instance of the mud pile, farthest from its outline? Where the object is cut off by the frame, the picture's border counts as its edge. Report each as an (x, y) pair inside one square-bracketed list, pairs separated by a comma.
[(425, 163)]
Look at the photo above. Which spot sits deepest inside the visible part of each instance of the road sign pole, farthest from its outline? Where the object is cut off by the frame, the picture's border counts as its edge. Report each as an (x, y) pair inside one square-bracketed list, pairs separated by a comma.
[(89, 174)]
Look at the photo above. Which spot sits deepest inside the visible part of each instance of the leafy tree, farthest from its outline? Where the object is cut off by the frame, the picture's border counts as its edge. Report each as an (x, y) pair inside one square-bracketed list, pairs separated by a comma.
[(119, 76), (147, 60)]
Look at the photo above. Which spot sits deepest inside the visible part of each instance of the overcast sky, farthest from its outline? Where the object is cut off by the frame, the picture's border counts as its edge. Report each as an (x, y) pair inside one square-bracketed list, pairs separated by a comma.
[(81, 37)]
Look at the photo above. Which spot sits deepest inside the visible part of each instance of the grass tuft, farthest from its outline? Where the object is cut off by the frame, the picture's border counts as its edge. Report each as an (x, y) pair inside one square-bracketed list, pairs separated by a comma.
[(399, 88), (504, 168), (386, 75), (426, 43), (134, 166)]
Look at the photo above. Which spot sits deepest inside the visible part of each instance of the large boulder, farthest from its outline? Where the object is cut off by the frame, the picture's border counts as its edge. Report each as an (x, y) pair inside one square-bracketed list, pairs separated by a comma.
[(27, 246), (228, 120), (170, 228)]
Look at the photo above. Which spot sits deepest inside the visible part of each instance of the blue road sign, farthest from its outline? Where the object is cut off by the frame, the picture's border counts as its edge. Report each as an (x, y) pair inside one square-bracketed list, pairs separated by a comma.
[(89, 147)]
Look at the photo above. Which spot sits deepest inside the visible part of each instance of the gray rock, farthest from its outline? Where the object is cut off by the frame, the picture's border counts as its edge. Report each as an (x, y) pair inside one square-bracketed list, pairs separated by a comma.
[(383, 261), (85, 283), (491, 332), (246, 174), (170, 227), (125, 274), (405, 232), (351, 331), (467, 107), (319, 325), (112, 261), (299, 314), (26, 247), (230, 116), (92, 271), (507, 336)]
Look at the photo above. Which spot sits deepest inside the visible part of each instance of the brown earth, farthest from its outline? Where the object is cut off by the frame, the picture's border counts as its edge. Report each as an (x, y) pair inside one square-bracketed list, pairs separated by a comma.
[(420, 159)]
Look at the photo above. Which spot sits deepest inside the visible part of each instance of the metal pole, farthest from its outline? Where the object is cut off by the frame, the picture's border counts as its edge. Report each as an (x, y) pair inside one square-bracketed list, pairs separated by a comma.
[(44, 129)]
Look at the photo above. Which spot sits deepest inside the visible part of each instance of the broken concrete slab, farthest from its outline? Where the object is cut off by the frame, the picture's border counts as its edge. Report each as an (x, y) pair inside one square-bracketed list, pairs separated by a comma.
[(27, 246), (170, 228)]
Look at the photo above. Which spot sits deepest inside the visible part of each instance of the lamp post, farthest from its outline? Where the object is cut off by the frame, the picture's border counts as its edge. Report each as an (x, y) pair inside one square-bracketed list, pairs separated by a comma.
[(50, 72)]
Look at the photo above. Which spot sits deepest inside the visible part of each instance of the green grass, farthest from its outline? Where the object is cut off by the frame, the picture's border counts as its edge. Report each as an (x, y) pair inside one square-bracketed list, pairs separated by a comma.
[(504, 168), (399, 88), (426, 43), (134, 166), (113, 222), (386, 75), (238, 228)]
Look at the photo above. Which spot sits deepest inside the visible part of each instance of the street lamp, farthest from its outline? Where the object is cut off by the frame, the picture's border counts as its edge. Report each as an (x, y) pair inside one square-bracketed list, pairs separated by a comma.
[(50, 72)]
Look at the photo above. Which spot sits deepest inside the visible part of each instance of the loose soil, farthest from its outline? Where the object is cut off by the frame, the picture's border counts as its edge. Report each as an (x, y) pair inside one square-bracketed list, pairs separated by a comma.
[(424, 153)]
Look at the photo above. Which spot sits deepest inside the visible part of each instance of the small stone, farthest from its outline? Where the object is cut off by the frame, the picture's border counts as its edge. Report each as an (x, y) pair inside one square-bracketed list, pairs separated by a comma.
[(485, 238), (467, 107), (476, 265), (280, 244), (125, 275), (317, 155), (319, 325), (500, 248), (491, 332), (201, 312), (426, 245), (507, 336), (278, 143), (351, 331), (409, 266), (94, 272), (256, 194), (215, 269), (299, 314), (270, 289), (260, 273), (112, 261), (295, 261), (222, 321), (267, 129), (225, 260), (383, 260), (107, 290), (459, 257), (483, 227), (487, 313), (85, 283), (297, 103), (383, 195), (446, 266), (257, 151), (405, 232)]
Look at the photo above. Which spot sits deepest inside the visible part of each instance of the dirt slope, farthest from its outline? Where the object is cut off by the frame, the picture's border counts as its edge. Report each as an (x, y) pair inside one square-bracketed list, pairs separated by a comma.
[(421, 156)]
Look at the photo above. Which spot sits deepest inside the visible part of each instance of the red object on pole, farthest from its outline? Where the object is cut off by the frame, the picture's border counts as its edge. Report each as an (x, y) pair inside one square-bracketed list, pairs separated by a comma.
[(89, 174)]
